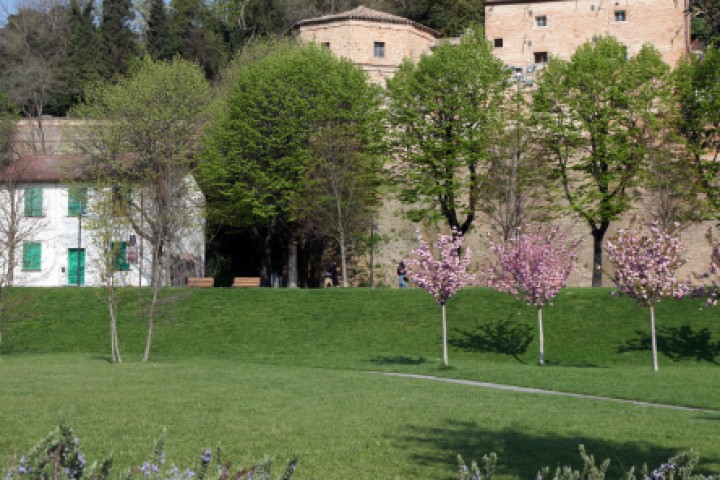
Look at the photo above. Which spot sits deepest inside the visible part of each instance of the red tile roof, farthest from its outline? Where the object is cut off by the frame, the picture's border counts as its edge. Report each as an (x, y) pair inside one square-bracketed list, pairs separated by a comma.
[(42, 169)]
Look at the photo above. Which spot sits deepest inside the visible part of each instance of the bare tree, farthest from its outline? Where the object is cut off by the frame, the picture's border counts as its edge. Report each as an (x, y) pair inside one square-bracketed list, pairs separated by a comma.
[(32, 45), (142, 133), (512, 190)]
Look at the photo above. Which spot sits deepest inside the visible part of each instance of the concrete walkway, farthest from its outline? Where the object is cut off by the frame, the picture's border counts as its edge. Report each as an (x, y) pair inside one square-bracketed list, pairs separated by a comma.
[(538, 391)]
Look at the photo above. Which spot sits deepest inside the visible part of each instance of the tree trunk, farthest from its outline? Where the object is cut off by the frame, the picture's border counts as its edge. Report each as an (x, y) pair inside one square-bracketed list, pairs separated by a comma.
[(598, 236), (654, 339), (343, 262), (292, 264), (541, 337), (153, 303), (114, 341), (444, 336)]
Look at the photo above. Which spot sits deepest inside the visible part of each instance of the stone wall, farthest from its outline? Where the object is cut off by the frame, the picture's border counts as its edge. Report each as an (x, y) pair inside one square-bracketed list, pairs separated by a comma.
[(570, 23)]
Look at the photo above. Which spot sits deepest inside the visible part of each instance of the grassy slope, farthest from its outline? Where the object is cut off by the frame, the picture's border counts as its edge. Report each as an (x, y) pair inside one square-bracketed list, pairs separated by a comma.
[(214, 378)]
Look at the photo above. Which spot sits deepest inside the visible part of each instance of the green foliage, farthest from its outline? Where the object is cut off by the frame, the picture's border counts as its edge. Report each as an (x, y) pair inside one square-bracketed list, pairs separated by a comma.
[(118, 40), (597, 116), (698, 89), (158, 36), (441, 112)]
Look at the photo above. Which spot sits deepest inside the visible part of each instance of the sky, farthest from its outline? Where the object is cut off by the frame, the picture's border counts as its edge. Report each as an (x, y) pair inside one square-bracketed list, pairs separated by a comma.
[(6, 8)]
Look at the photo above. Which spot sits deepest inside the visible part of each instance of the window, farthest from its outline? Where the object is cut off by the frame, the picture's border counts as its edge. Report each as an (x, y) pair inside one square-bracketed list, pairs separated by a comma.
[(541, 57), (77, 202), (620, 15), (379, 49), (32, 256), (121, 199), (118, 252), (33, 202), (325, 44), (541, 21), (498, 42)]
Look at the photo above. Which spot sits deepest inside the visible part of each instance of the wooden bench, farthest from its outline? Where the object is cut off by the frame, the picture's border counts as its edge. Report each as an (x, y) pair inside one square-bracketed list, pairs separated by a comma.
[(244, 282), (200, 282)]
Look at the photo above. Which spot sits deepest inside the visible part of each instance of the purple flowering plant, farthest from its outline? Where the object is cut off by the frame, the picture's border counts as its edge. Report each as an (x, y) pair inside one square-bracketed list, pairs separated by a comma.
[(645, 263), (533, 266), (58, 457), (443, 276)]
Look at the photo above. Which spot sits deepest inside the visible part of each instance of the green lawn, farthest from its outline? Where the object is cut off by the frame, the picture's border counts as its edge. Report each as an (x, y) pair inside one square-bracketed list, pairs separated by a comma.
[(286, 371)]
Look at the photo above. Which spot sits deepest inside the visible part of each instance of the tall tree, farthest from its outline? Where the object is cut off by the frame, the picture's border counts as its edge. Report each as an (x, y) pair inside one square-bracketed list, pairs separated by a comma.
[(158, 33), (118, 38), (513, 188), (441, 111), (141, 134), (194, 31), (596, 115), (32, 46), (698, 85), (257, 156), (84, 61)]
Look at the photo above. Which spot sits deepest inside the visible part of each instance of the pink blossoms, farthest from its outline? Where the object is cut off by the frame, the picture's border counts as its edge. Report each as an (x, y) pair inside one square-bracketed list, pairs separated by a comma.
[(534, 266), (645, 266), (442, 277)]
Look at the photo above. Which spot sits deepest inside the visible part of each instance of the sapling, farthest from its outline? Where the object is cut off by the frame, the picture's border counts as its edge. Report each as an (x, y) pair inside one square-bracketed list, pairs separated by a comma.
[(444, 276), (645, 264), (534, 265)]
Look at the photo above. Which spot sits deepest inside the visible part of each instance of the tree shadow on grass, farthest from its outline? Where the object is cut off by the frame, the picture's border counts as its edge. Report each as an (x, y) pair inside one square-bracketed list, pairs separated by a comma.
[(398, 360), (521, 455), (502, 336), (677, 343)]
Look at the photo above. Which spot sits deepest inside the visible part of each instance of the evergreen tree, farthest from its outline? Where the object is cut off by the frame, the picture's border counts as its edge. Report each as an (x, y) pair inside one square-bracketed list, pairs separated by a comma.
[(116, 34), (158, 37), (194, 30), (83, 63)]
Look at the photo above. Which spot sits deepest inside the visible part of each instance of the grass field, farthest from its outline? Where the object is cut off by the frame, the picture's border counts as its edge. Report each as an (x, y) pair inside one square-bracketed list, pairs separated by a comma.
[(287, 371)]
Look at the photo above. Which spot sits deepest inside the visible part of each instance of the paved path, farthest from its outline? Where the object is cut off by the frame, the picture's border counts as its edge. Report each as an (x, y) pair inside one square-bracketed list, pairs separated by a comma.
[(538, 391)]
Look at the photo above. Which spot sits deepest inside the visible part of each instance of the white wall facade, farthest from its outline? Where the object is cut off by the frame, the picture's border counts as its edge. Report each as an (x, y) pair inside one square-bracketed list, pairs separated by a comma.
[(59, 232)]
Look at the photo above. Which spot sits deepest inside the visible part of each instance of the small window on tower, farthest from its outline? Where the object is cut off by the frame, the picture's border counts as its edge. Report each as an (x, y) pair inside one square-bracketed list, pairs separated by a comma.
[(498, 42), (379, 49), (541, 57), (541, 21), (620, 15), (325, 44)]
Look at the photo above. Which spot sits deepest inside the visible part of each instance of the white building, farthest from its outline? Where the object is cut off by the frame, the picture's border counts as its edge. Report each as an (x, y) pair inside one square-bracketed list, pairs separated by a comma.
[(51, 224)]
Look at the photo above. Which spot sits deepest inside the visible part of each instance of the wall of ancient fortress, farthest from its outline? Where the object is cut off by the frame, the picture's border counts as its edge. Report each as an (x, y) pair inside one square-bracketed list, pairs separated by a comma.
[(570, 23), (355, 40)]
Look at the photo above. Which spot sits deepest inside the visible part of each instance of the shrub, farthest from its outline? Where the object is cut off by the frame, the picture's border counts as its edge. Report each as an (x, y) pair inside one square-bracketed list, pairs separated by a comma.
[(58, 457)]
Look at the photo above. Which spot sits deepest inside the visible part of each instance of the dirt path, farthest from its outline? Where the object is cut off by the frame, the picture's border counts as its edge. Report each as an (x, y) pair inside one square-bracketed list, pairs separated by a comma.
[(539, 391)]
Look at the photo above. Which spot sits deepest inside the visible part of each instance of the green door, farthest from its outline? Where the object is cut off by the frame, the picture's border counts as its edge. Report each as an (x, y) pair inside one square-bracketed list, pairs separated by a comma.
[(76, 266)]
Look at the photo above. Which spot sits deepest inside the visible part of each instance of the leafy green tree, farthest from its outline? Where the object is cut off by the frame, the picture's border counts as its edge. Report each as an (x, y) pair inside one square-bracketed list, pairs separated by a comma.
[(441, 112), (698, 84), (596, 116), (140, 134), (259, 153), (706, 21), (157, 36)]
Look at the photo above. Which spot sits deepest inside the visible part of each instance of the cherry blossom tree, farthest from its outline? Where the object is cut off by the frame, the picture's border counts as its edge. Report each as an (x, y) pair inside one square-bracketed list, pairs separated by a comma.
[(645, 264), (534, 265), (444, 276)]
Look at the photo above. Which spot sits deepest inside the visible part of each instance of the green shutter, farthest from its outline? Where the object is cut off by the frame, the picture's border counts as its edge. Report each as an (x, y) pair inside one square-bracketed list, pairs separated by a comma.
[(32, 255), (118, 250), (77, 201), (33, 202)]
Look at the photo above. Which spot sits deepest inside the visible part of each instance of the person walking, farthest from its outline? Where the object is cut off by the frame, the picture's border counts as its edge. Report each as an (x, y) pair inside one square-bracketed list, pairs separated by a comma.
[(402, 274)]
